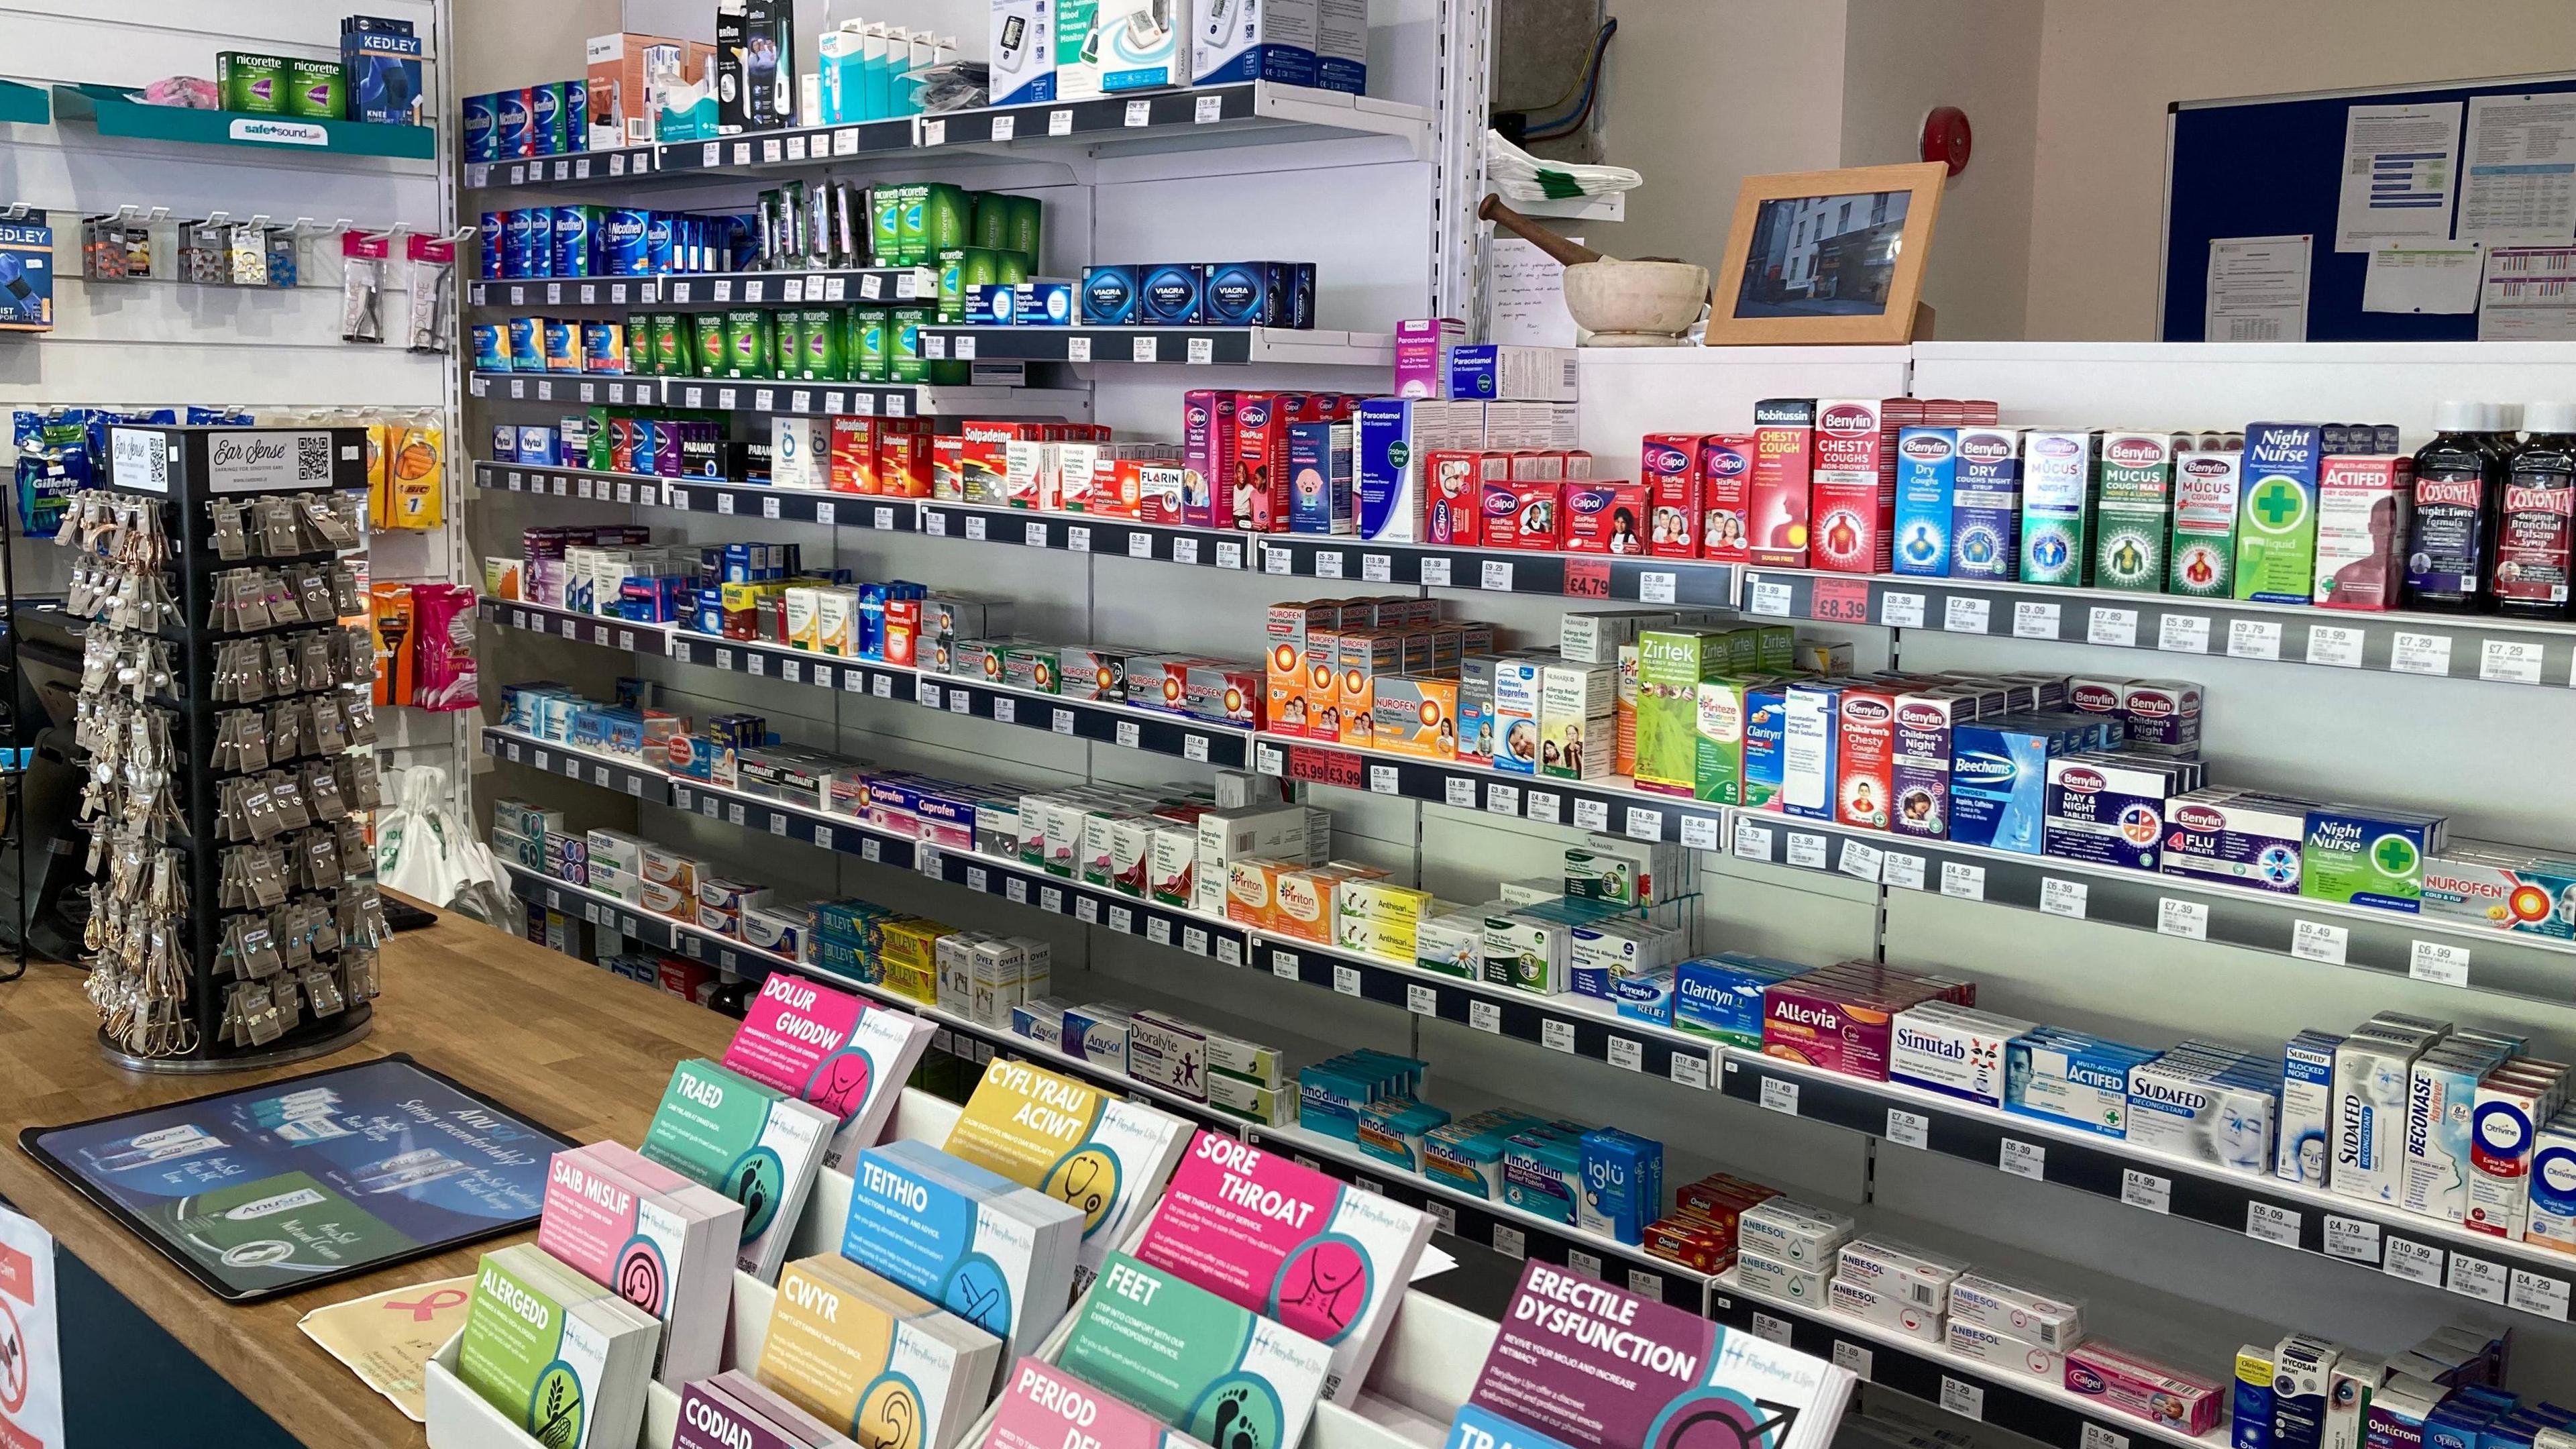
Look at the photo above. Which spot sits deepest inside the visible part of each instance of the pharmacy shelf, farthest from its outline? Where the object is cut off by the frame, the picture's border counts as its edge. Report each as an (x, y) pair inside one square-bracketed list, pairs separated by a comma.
[(1205, 934), (25, 105), (1575, 1025), (2373, 1236), (2036, 1408), (2451, 646), (1205, 346), (1507, 1230), (702, 291), (1688, 583), (1126, 726), (728, 954), (1088, 533), (635, 489), (794, 505), (771, 397), (107, 109), (1607, 806), (2441, 949), (624, 166)]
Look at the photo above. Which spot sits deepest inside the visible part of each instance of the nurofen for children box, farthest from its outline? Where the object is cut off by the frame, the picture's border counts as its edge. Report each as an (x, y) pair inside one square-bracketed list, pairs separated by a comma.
[(2276, 520)]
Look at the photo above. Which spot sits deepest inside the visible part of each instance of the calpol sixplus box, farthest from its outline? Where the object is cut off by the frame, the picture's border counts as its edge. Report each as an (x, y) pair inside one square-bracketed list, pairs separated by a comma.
[(1074, 1143), (2058, 468), (2202, 543), (2133, 514), (1287, 1242), (2276, 519), (753, 1144), (1777, 496), (1208, 1366)]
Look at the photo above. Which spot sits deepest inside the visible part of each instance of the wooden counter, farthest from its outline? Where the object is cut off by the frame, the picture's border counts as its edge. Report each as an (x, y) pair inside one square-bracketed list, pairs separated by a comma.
[(566, 1043)]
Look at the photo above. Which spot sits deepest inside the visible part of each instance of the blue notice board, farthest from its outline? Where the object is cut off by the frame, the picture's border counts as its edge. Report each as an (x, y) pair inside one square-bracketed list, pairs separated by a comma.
[(2273, 166)]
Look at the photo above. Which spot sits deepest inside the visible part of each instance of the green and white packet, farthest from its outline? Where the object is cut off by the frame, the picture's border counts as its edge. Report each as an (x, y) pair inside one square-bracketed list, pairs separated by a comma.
[(1212, 1369), (562, 1357)]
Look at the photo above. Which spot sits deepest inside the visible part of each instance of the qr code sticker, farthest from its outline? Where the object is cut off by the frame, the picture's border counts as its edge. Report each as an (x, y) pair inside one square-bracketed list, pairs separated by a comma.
[(313, 457)]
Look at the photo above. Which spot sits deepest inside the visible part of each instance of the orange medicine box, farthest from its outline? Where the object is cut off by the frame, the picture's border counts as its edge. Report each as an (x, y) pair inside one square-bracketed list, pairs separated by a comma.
[(854, 455), (903, 462), (1284, 670), (1323, 686), (1362, 657), (1417, 715), (1303, 898)]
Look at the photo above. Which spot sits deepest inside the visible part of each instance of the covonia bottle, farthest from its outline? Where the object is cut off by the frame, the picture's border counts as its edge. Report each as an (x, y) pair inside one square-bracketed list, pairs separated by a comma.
[(2450, 545)]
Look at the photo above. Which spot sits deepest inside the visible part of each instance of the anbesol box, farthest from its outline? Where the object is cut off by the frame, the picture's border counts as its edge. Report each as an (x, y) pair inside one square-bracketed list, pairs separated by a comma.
[(2000, 1307), (1884, 1308), (1794, 1233), (1765, 1274), (1970, 1340)]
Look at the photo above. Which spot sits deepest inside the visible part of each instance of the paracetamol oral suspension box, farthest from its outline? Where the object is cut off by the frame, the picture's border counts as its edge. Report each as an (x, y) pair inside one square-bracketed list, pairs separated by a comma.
[(1927, 465), (2057, 476), (1985, 504), (1072, 1142), (2203, 537), (1290, 1243), (1810, 737), (750, 1142), (2133, 511), (832, 1049), (1210, 1367), (2276, 516)]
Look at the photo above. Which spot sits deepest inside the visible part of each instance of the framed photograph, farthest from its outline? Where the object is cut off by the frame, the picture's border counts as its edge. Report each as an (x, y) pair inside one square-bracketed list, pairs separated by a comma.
[(1827, 256)]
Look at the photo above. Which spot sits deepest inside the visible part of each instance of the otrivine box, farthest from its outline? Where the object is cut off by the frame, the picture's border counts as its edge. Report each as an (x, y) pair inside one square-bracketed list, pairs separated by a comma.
[(1985, 504), (1927, 467), (2143, 1388), (1954, 1050), (1852, 484), (2552, 1210), (2368, 857), (2057, 481), (1777, 494), (2133, 511), (2276, 519)]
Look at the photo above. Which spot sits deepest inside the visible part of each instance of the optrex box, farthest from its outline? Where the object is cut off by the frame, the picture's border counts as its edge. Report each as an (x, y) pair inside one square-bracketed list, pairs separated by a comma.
[(1777, 494), (1985, 504), (2276, 518), (1927, 462)]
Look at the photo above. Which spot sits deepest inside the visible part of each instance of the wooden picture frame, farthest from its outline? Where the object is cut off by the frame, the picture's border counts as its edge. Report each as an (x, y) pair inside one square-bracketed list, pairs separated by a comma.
[(1841, 256)]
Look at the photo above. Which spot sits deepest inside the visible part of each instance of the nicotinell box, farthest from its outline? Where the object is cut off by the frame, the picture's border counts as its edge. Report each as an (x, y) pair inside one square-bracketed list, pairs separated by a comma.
[(1927, 465), (2203, 544), (2004, 1351), (2307, 1108), (2057, 479), (2142, 1387), (2073, 1079), (1985, 504), (2133, 511), (1794, 1233), (1954, 1050), (2374, 1072), (1852, 487), (2276, 517), (1777, 495), (2368, 857), (2048, 1319), (2109, 809)]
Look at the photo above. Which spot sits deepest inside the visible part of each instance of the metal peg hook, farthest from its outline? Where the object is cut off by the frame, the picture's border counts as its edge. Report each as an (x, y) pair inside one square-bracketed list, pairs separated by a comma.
[(17, 211), (218, 218), (157, 213), (259, 222)]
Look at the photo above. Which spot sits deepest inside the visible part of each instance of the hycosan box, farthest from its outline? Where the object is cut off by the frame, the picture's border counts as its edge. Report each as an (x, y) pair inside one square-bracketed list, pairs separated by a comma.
[(2276, 519), (2302, 1378), (2203, 548), (2057, 505), (1777, 498), (1927, 463)]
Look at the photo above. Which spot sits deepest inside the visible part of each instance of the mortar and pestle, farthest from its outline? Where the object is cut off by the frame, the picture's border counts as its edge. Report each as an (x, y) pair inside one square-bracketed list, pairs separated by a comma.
[(1649, 302)]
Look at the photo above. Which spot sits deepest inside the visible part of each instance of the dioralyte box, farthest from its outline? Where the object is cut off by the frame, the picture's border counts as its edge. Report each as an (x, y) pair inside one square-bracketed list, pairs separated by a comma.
[(1927, 465), (2109, 809), (1852, 485), (2276, 516), (2057, 480), (2133, 511), (1777, 496), (2236, 837), (1985, 504)]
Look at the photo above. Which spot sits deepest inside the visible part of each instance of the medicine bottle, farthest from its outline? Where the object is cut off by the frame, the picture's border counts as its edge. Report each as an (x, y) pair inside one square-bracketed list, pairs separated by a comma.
[(2536, 518), (2458, 479)]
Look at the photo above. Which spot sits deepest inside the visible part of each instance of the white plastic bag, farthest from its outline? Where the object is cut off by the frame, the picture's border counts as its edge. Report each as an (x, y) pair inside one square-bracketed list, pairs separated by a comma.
[(425, 852)]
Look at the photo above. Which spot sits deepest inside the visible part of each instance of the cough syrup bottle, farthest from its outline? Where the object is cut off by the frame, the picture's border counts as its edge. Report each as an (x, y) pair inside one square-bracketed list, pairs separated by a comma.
[(2459, 478), (2536, 518)]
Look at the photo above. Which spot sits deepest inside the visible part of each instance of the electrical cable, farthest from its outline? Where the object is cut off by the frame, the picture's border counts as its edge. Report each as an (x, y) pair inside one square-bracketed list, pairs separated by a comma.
[(1590, 81)]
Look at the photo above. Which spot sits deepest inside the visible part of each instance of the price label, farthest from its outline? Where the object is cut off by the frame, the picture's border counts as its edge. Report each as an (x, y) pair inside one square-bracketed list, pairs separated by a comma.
[(2063, 897), (1903, 871), (872, 851), (1909, 1129), (2413, 1261), (1838, 601), (1228, 950), (1779, 1094), (934, 131), (2439, 962), (1587, 1264), (2115, 627), (2023, 1159), (927, 694), (1283, 964), (1852, 1359), (1496, 574), (734, 814), (724, 291), (1644, 824), (1770, 598), (1458, 792), (1006, 710), (1770, 1329), (2183, 634), (1382, 779), (2034, 619), (2352, 1240), (1077, 539), (1486, 1017), (1502, 800), (1543, 806), (2317, 941), (1658, 587), (2146, 1190), (2420, 653), (2509, 661), (2097, 1437), (871, 287), (1346, 980), (1421, 1000), (1051, 899), (1592, 814), (2253, 639), (1140, 114), (935, 348), (1208, 111), (1062, 722), (1627, 1054), (1752, 842), (1195, 747), (790, 670), (1510, 1242), (2532, 1293), (882, 686), (1901, 611), (975, 527), (1377, 568), (1201, 351), (1131, 735), (2272, 1223), (1808, 851), (769, 507), (1965, 1399), (928, 860), (1328, 564), (2336, 646), (1699, 832), (1122, 918), (1690, 1069), (1077, 349), (2187, 919), (1086, 910), (724, 504), (1005, 128), (1139, 545), (1015, 890), (1861, 862), (1144, 349)]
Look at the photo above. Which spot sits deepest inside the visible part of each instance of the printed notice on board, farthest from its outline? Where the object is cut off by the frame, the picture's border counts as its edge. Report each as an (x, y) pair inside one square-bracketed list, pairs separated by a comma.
[(2529, 296), (2398, 162), (31, 1365), (2432, 279), (2518, 173), (1525, 296), (2258, 289)]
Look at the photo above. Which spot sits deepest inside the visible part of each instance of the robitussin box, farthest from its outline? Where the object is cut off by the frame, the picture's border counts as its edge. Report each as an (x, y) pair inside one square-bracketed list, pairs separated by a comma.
[(1725, 475), (1777, 498)]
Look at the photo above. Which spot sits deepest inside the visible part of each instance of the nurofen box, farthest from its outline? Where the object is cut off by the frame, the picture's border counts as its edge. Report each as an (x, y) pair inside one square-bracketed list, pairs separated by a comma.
[(1852, 485), (2276, 517), (2143, 1388), (1985, 504), (2004, 1351), (2203, 546), (1954, 1050), (1777, 496), (2045, 1319), (2057, 477), (2503, 888), (2133, 511), (1927, 463)]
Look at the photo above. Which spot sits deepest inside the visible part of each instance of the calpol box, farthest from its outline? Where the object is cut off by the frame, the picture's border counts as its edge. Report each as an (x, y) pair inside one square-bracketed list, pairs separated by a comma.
[(1777, 496), (1725, 475), (2276, 516), (1668, 465), (2363, 509)]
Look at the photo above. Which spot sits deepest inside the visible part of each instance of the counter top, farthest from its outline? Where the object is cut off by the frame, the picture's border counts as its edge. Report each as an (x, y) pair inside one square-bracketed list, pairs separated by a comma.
[(561, 1041)]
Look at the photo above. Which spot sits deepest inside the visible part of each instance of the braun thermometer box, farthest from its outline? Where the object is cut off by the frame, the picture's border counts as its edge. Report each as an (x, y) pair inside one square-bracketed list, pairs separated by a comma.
[(1023, 60), (1103, 47), (1248, 40)]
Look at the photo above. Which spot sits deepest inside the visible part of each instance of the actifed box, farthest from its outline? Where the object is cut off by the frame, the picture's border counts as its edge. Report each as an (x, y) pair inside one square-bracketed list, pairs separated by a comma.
[(996, 1254), (1074, 1143), (1285, 1241), (2276, 518), (749, 1142), (1209, 1367)]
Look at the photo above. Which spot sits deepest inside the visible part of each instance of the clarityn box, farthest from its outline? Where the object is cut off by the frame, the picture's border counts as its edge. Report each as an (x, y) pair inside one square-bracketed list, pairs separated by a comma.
[(2133, 511), (2276, 519), (1720, 996), (2058, 468)]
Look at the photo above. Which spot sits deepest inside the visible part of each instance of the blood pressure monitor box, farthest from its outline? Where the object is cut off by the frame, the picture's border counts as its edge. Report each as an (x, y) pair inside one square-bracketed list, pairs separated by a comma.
[(1254, 40), (1023, 55)]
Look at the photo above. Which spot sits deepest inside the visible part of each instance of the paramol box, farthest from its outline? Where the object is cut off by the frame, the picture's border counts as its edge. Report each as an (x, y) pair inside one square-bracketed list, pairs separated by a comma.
[(2057, 468), (2367, 856), (2133, 511), (2276, 515)]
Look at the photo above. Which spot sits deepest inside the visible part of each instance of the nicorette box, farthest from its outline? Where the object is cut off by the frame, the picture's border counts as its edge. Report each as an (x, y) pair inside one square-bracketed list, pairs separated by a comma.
[(2276, 520)]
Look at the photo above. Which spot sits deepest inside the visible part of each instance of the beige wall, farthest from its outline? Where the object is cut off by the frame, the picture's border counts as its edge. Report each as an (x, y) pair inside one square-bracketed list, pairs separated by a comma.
[(1901, 59), (504, 43), (2106, 72)]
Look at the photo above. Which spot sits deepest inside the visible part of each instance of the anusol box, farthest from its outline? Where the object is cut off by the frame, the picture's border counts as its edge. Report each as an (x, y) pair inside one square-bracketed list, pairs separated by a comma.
[(1852, 485), (2133, 511), (1777, 496)]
